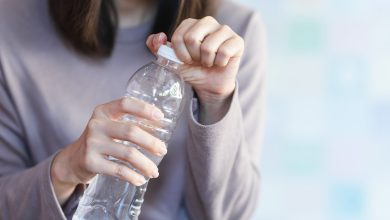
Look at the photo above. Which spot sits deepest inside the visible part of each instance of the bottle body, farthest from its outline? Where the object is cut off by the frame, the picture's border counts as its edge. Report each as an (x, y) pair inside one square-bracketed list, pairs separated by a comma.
[(156, 83)]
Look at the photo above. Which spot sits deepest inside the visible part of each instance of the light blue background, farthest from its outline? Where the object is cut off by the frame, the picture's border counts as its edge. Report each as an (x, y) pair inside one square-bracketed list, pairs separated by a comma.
[(327, 148)]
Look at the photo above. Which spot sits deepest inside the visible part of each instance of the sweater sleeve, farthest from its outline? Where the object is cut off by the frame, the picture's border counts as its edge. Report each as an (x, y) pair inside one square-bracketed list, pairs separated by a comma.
[(223, 173), (25, 188)]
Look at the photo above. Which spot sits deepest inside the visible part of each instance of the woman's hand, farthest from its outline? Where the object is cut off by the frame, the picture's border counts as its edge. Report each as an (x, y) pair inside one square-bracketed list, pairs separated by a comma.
[(87, 156), (212, 54)]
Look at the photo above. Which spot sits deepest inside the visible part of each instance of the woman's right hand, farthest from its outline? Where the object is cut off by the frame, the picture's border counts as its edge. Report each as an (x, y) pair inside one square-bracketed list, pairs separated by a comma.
[(87, 156)]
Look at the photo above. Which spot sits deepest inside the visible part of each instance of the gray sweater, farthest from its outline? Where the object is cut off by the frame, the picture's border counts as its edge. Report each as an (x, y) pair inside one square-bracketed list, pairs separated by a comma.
[(48, 92)]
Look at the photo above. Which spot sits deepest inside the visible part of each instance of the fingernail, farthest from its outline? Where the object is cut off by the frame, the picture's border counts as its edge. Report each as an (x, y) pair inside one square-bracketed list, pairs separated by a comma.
[(159, 37), (141, 180), (155, 173), (163, 150), (157, 114)]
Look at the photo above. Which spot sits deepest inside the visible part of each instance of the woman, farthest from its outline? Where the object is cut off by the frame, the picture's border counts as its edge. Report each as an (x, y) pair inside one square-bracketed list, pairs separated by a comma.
[(63, 69)]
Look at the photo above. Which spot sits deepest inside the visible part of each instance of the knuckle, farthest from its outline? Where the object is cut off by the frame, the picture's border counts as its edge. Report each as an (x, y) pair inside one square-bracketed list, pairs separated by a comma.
[(226, 28), (209, 19), (93, 124), (240, 40), (208, 64), (91, 143), (128, 154), (88, 163), (224, 52), (98, 110), (119, 170), (123, 102), (131, 132), (220, 62), (190, 39), (87, 136), (188, 20), (146, 110), (186, 58), (176, 39), (206, 49)]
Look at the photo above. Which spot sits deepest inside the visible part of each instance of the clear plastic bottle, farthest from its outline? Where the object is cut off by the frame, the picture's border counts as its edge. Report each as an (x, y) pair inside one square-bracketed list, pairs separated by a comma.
[(109, 198)]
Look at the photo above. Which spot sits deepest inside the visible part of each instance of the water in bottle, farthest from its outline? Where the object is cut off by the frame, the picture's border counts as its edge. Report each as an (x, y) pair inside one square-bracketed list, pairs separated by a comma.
[(157, 83)]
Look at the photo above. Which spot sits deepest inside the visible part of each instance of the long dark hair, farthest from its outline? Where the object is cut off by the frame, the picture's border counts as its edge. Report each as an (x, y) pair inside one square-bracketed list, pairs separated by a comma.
[(90, 26)]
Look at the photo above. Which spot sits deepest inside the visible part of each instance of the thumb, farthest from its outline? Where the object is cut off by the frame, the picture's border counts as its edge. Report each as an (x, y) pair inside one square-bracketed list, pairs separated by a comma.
[(154, 41)]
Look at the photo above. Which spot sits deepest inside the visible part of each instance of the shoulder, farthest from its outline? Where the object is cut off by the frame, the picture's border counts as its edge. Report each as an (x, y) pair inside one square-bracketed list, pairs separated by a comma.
[(241, 19)]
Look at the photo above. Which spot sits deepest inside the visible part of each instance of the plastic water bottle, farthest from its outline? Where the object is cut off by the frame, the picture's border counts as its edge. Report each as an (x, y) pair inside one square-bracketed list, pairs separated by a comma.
[(157, 83)]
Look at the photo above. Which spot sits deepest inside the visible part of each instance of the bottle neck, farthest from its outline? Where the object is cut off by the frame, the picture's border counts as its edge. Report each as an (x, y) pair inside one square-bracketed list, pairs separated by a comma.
[(168, 63)]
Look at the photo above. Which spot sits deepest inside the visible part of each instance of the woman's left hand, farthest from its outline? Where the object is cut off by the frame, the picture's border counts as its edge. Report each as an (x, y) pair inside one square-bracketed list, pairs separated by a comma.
[(211, 53)]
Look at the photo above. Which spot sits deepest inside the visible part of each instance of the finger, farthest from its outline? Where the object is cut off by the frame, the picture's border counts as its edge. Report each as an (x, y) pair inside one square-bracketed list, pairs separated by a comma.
[(149, 43), (159, 40), (210, 45), (234, 47), (154, 41), (136, 135), (178, 40), (196, 34), (191, 74), (130, 154), (132, 106), (121, 171)]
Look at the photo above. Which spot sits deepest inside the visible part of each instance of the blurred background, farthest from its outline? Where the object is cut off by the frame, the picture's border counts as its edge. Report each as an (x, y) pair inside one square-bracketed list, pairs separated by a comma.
[(326, 154)]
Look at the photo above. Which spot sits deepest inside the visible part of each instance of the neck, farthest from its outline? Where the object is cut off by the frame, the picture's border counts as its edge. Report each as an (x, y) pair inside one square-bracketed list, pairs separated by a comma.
[(132, 13)]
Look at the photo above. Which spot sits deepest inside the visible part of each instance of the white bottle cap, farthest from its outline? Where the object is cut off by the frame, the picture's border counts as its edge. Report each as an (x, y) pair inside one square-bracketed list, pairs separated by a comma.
[(167, 52)]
